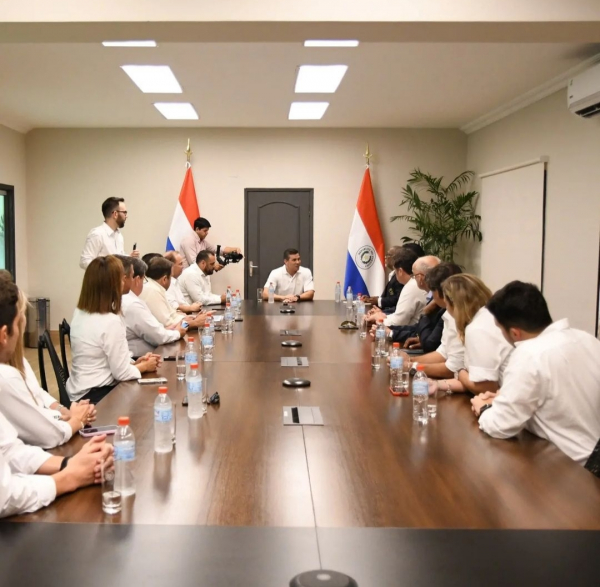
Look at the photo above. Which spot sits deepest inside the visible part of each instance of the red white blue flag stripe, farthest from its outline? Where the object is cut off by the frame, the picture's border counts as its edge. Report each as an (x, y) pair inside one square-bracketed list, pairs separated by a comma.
[(186, 212)]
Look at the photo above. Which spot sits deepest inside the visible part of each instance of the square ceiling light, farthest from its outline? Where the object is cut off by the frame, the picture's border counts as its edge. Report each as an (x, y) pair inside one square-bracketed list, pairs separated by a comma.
[(307, 110), (177, 110), (153, 79), (319, 79)]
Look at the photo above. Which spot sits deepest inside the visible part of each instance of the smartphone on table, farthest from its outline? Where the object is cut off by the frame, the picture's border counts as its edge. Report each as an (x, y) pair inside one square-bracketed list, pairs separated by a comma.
[(97, 431)]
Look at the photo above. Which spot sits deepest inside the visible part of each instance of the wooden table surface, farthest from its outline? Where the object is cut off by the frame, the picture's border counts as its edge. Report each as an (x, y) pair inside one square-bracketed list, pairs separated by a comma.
[(369, 466)]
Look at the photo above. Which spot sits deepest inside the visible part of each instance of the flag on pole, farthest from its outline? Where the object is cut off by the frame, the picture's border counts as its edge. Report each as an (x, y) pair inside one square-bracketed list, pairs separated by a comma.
[(364, 264), (186, 212)]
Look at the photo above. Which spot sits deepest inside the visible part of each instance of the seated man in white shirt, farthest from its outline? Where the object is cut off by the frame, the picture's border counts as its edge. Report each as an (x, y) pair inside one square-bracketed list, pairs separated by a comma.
[(158, 277), (144, 331), (106, 239), (195, 281), (412, 299), (551, 385), (292, 282), (174, 294)]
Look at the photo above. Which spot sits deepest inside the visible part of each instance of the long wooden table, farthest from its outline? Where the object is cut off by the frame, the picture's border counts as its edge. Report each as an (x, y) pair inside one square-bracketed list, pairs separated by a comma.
[(370, 465)]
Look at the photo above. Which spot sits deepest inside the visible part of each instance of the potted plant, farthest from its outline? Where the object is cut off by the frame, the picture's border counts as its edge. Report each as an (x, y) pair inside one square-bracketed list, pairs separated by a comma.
[(440, 216)]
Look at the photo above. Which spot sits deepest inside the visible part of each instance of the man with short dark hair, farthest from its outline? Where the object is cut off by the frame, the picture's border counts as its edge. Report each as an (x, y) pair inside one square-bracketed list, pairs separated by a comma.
[(292, 283), (551, 385), (174, 293), (106, 239), (31, 478), (195, 281), (191, 245), (391, 292)]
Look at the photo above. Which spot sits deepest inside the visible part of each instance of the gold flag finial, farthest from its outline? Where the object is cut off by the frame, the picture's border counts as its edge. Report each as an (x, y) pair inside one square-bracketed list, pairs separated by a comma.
[(188, 153), (368, 156)]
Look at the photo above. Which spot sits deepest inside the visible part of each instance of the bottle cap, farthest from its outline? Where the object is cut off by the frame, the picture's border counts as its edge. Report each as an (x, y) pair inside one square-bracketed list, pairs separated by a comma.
[(207, 325), (123, 421), (396, 345), (420, 367), (337, 281), (162, 390), (192, 366), (190, 339), (228, 305), (380, 320)]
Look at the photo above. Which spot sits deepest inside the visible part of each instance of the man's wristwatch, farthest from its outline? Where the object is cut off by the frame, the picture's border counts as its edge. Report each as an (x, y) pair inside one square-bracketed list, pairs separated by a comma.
[(298, 298), (484, 408), (413, 369)]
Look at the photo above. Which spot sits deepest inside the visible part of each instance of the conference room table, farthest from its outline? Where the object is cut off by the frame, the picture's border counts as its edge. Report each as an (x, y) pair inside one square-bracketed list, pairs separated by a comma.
[(245, 500)]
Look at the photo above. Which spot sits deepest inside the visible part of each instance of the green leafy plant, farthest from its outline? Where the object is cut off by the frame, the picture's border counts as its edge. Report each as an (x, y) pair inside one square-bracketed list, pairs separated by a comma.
[(440, 216)]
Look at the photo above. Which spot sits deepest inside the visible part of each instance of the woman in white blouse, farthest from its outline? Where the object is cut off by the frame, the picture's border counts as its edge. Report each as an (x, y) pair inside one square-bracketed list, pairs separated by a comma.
[(100, 357), (486, 350)]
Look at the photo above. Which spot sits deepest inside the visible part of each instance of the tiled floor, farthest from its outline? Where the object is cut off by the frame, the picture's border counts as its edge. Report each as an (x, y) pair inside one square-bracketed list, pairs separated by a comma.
[(32, 356)]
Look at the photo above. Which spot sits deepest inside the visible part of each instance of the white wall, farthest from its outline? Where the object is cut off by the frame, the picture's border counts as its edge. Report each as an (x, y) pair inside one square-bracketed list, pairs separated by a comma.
[(12, 172), (70, 173), (573, 196)]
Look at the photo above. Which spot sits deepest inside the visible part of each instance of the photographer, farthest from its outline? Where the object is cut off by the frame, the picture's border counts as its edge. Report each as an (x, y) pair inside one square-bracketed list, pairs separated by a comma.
[(191, 245)]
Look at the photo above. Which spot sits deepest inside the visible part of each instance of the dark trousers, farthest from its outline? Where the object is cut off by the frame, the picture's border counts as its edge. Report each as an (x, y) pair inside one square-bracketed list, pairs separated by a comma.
[(98, 393)]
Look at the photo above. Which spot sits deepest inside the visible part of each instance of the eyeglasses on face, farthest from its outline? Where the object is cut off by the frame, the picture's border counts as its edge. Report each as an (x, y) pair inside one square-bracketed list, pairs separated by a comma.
[(415, 275)]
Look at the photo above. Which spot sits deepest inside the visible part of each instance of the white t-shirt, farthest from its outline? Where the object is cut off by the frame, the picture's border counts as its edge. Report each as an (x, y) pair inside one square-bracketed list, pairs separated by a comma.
[(195, 287), (552, 388), (291, 285)]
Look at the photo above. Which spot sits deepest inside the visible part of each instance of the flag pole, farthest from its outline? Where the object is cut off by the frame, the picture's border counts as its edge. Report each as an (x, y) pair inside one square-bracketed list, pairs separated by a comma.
[(368, 156), (188, 152)]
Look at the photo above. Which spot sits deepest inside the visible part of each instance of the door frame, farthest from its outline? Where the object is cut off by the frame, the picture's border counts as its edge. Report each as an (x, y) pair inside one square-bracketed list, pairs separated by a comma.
[(9, 228), (311, 200)]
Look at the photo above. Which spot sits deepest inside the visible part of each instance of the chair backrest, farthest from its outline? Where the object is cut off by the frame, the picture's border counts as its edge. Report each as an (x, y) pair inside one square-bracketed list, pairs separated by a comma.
[(45, 342), (64, 330)]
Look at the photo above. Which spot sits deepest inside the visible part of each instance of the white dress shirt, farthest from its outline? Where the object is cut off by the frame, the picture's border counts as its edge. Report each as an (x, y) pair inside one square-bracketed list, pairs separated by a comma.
[(451, 347), (190, 246), (486, 350), (101, 241), (27, 407), (174, 295), (20, 490), (155, 296), (100, 353), (291, 285), (410, 306), (552, 388), (195, 287), (144, 331)]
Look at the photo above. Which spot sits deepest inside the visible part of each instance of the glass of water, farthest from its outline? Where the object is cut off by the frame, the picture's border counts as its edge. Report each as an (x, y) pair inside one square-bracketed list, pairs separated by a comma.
[(259, 294), (432, 399), (180, 365), (111, 499), (205, 395)]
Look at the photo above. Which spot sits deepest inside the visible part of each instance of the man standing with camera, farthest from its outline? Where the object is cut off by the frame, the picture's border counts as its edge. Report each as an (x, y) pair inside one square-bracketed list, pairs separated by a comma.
[(191, 245)]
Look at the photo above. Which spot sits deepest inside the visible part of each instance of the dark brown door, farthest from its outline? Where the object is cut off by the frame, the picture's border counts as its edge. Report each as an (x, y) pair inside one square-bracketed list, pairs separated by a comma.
[(276, 219)]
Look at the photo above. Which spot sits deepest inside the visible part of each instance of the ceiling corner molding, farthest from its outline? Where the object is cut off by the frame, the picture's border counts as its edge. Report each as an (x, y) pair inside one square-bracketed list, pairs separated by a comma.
[(17, 127), (530, 97)]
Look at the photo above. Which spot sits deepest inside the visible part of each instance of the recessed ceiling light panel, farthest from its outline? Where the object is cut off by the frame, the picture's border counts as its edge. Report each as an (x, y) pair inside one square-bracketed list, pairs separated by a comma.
[(129, 43), (307, 110), (176, 110), (153, 79), (331, 43), (319, 79)]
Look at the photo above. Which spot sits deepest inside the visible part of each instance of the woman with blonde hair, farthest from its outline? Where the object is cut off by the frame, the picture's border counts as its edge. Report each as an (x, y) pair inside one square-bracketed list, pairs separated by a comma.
[(98, 338), (38, 418), (486, 350)]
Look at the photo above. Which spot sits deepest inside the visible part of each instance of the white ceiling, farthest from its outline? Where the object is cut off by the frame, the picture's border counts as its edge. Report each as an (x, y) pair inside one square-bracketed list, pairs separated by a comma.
[(252, 84)]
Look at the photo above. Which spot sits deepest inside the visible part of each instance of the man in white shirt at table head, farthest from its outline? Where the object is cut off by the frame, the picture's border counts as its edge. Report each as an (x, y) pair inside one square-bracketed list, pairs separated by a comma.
[(551, 384), (292, 282), (174, 293), (195, 281), (106, 239)]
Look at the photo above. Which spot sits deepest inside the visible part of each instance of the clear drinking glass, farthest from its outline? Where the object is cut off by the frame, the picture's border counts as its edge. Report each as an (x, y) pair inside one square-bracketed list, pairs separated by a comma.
[(376, 358), (111, 499), (259, 294), (205, 395), (180, 365), (174, 423), (432, 399)]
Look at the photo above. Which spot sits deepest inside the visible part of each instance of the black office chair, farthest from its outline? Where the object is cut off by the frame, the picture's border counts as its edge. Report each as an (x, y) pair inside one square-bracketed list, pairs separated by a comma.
[(593, 463), (45, 342), (64, 330)]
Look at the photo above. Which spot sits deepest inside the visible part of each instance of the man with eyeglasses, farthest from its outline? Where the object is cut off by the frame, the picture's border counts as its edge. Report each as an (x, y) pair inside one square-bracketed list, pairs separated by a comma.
[(106, 239)]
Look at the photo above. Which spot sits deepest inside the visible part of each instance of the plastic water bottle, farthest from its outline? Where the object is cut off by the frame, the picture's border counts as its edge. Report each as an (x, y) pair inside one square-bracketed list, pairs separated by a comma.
[(191, 353), (163, 417), (396, 368), (227, 320), (420, 389), (349, 297), (381, 349), (124, 443), (338, 292), (211, 323), (228, 295), (194, 393), (207, 344), (271, 293), (238, 303)]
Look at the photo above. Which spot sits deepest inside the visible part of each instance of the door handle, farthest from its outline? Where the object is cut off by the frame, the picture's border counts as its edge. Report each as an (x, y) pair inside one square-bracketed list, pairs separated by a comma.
[(252, 267)]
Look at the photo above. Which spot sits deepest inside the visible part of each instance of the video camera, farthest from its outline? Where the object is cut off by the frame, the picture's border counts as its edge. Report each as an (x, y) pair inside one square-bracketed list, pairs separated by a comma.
[(226, 258)]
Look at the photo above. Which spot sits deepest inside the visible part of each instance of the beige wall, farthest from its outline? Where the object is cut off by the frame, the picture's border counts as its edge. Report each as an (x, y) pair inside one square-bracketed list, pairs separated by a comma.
[(70, 172), (12, 172), (573, 195)]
